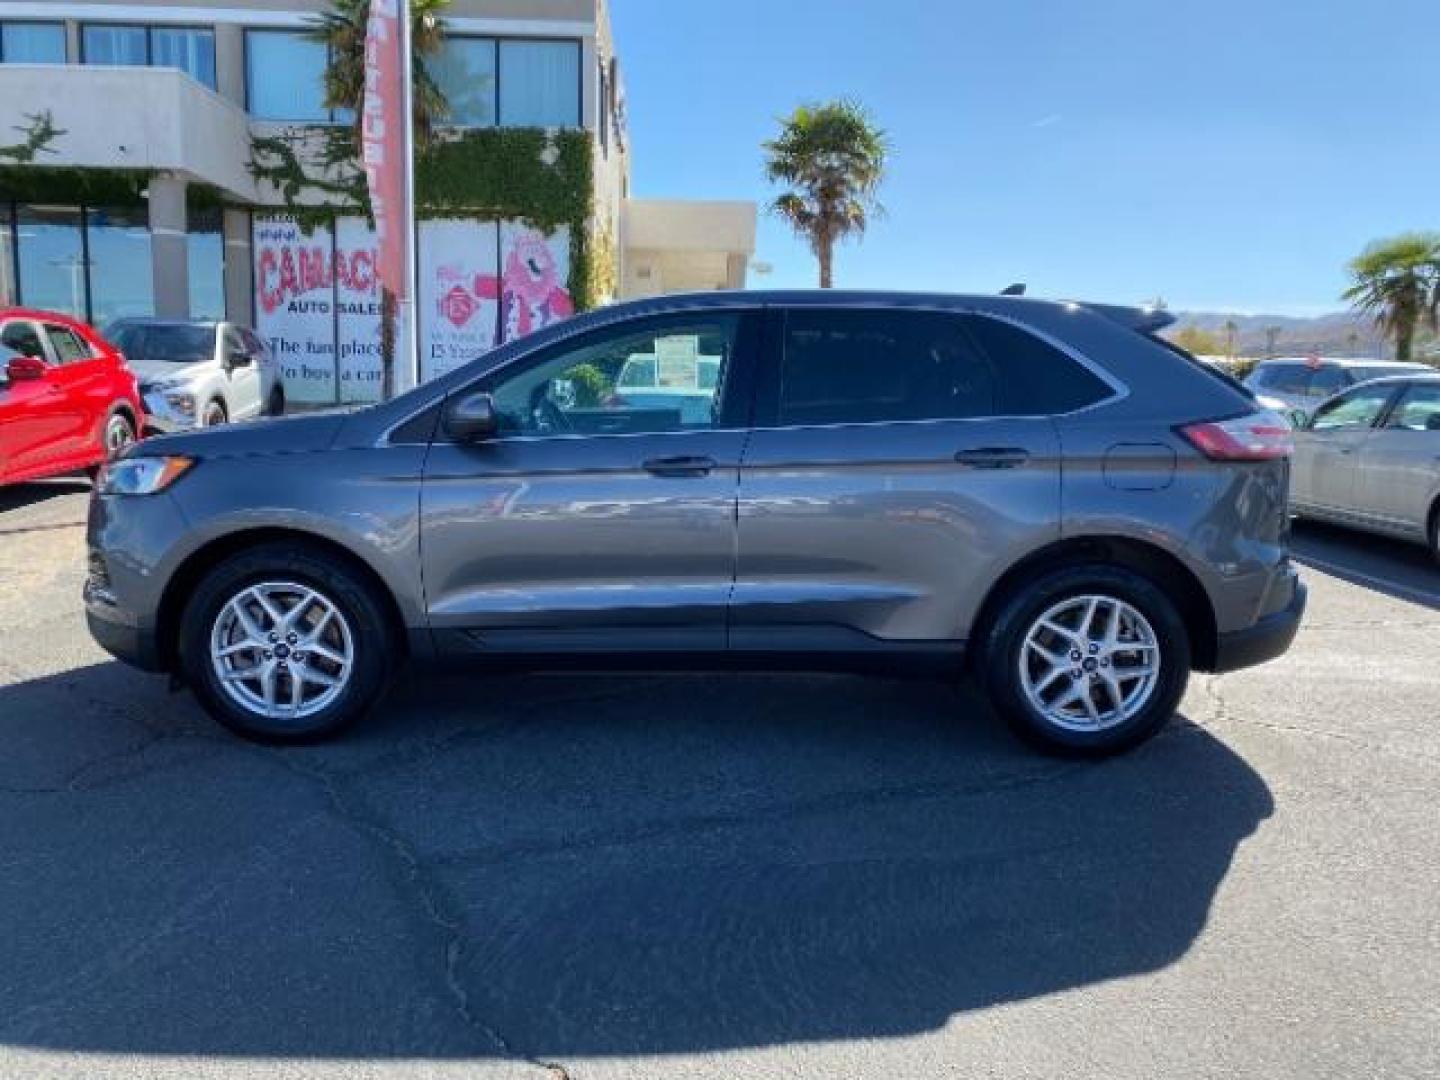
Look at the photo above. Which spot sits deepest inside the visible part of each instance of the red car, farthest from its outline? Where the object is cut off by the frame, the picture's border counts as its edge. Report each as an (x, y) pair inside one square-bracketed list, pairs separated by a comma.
[(67, 400)]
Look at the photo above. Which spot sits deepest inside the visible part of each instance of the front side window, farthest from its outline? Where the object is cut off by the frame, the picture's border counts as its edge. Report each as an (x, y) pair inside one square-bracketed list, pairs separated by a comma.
[(595, 387), (1418, 410), (68, 345), (540, 84), (32, 43), (465, 70), (1356, 410), (285, 76), (855, 367)]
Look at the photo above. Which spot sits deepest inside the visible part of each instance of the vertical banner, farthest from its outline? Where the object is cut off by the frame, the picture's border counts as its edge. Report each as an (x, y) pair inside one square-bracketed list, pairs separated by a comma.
[(295, 305), (459, 302), (385, 152), (357, 296), (534, 279)]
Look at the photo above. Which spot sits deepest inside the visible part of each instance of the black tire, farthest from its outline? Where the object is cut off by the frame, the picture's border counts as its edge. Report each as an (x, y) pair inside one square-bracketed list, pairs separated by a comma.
[(1001, 642), (276, 405), (116, 435), (376, 643), (214, 414)]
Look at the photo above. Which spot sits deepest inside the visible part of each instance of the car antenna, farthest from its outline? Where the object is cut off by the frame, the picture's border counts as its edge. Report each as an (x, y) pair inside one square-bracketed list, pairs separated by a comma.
[(1018, 289)]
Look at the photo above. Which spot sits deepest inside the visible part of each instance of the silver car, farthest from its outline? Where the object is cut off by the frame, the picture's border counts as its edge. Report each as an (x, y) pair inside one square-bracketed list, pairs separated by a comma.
[(1044, 493), (199, 373), (1370, 458), (1299, 384)]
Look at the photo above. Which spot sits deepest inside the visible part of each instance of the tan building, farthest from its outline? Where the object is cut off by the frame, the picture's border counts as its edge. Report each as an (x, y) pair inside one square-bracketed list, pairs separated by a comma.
[(145, 200)]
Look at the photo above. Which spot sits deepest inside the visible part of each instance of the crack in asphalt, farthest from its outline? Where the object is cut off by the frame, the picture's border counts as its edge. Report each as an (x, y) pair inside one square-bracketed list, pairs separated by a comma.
[(43, 528)]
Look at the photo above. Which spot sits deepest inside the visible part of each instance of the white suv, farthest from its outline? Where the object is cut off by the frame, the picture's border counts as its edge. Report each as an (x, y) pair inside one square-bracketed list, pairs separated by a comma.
[(199, 373)]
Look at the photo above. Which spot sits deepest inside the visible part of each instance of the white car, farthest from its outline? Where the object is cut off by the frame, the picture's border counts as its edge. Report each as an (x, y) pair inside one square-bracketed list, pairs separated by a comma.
[(199, 373), (1301, 383)]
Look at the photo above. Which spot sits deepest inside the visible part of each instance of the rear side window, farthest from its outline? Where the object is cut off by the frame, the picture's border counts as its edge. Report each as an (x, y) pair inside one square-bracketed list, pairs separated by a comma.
[(854, 367), (69, 346)]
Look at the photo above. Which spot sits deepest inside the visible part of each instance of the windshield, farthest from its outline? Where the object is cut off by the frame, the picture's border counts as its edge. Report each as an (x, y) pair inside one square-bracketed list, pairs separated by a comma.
[(172, 344)]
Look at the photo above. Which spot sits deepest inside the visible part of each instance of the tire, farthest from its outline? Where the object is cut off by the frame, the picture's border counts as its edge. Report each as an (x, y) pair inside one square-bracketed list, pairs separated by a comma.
[(276, 405), (1435, 531), (214, 414), (358, 630), (117, 434), (1063, 596)]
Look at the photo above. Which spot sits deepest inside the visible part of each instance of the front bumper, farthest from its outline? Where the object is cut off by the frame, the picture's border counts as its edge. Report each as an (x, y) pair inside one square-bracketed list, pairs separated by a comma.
[(1270, 637), (125, 641)]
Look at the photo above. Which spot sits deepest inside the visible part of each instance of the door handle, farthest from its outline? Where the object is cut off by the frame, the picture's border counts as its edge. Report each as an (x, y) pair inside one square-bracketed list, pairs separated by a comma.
[(681, 466), (993, 457)]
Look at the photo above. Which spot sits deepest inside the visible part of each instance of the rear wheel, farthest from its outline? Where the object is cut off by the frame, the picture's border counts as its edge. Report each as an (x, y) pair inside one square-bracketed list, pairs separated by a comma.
[(214, 414), (116, 437), (283, 645), (1087, 660)]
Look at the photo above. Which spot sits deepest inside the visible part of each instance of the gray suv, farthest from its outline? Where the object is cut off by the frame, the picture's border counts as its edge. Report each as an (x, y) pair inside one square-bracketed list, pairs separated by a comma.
[(1045, 492)]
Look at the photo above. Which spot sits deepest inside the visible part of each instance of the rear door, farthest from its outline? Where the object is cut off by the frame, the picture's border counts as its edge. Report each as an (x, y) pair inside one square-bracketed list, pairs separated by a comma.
[(82, 378), (898, 458), (1325, 452), (1398, 467)]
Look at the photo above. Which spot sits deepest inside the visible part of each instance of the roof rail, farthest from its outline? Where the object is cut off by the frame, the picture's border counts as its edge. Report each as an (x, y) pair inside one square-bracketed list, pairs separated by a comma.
[(1143, 320)]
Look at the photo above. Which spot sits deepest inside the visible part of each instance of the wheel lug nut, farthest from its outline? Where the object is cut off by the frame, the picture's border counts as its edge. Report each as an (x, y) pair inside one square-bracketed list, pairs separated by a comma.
[(1075, 655), (292, 638), (274, 638), (1094, 649)]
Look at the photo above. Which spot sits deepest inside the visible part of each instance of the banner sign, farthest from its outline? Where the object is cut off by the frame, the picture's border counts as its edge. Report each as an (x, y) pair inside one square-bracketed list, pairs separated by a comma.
[(317, 298), (459, 302), (382, 139)]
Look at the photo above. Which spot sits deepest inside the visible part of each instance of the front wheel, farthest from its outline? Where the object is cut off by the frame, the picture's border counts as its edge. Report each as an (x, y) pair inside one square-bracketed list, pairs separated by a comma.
[(1087, 660), (286, 646)]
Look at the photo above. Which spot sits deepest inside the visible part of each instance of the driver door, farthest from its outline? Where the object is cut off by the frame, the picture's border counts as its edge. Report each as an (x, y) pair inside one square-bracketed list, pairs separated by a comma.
[(243, 370), (589, 523), (34, 414)]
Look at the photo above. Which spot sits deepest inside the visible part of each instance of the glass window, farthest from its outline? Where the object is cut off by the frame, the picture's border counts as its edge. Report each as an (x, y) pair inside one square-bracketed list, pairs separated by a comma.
[(9, 288), (1037, 379), (125, 46), (206, 264), (539, 84), (464, 70), (1326, 381), (32, 43), (192, 51), (67, 345), (1419, 409), (1358, 409), (1284, 378), (285, 73), (52, 259), (121, 272), (169, 343), (579, 390)]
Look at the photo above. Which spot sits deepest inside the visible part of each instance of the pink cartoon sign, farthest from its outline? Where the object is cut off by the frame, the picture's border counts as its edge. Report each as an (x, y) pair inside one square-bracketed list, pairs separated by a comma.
[(534, 272)]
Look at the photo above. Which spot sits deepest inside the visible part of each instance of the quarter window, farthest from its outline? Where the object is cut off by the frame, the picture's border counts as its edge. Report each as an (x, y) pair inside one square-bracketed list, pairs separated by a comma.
[(1356, 410), (663, 377), (851, 367), (1419, 409)]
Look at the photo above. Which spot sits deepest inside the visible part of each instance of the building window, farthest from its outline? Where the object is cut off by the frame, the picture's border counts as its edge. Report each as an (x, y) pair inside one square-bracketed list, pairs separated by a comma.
[(9, 287), (32, 43), (206, 263), (464, 70), (285, 77), (51, 259), (189, 50), (121, 274), (540, 83)]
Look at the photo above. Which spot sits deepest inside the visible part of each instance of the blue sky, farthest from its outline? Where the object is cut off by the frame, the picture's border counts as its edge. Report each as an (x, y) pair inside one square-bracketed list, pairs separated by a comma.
[(1223, 155)]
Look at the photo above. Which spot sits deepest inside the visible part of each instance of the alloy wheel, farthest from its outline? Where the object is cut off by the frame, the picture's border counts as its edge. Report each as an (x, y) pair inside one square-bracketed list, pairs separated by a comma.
[(1090, 663), (282, 651), (118, 435)]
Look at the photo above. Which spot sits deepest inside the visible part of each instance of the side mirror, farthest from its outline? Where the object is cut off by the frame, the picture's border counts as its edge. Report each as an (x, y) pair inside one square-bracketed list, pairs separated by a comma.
[(472, 418), (25, 367), (238, 359), (1299, 419)]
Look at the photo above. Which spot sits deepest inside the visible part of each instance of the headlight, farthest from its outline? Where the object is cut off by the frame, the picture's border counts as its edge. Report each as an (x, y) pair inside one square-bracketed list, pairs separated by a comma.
[(182, 403), (142, 475)]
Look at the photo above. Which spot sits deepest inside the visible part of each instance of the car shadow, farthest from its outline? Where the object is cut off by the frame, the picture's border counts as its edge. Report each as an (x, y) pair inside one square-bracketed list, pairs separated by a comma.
[(35, 492), (1395, 568), (556, 866)]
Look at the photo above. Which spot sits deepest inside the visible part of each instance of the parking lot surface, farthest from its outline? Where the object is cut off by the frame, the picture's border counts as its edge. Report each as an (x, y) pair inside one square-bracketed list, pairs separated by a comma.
[(734, 876)]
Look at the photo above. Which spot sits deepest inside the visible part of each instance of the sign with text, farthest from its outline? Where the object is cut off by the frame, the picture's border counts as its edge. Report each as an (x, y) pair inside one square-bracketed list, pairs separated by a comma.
[(295, 305), (459, 301)]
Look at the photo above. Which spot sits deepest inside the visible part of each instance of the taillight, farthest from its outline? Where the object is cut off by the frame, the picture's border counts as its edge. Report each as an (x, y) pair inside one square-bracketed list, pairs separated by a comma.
[(1259, 436)]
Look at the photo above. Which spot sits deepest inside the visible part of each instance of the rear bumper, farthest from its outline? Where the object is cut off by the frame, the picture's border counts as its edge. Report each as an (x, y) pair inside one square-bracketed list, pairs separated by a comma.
[(1270, 637)]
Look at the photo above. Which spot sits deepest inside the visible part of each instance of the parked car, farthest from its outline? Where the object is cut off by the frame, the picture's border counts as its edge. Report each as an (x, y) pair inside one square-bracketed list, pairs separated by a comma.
[(1302, 383), (1042, 491), (67, 400), (1370, 459), (199, 373)]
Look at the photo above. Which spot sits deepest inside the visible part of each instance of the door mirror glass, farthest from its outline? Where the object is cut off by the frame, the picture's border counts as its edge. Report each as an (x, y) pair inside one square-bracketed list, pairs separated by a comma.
[(472, 418), (22, 368)]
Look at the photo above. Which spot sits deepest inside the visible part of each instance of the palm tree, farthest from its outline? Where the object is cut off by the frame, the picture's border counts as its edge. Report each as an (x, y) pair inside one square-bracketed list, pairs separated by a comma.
[(1231, 329), (342, 30), (1397, 283), (832, 157)]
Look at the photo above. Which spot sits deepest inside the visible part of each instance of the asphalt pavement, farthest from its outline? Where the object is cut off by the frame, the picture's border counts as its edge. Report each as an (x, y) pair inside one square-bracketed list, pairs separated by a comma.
[(721, 876)]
